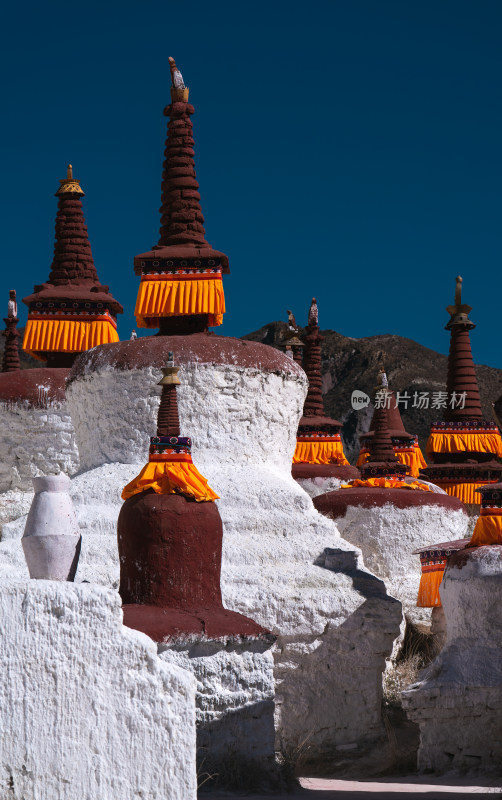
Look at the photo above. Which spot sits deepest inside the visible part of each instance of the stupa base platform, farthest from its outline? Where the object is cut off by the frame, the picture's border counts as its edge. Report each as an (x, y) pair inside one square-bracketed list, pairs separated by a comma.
[(335, 504), (164, 625), (272, 534), (235, 705)]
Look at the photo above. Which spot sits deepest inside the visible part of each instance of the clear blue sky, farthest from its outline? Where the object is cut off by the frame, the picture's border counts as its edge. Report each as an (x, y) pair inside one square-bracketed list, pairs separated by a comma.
[(347, 149)]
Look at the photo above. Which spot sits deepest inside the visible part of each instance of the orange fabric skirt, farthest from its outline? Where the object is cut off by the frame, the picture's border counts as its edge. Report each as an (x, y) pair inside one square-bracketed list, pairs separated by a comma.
[(488, 530), (66, 336), (466, 492), (320, 451), (386, 483), (428, 591), (168, 298), (164, 477), (412, 458), (461, 442)]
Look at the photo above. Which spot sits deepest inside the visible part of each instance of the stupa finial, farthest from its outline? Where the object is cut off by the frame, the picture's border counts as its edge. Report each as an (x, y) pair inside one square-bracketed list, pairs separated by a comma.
[(69, 185), (292, 321), (179, 92), (313, 317), (10, 360), (458, 291), (382, 380), (12, 305), (459, 313)]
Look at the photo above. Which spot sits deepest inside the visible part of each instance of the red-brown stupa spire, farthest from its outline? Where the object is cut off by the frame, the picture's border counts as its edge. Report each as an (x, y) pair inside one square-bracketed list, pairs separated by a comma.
[(72, 311), (463, 446), (319, 448), (382, 460), (461, 377), (181, 290), (10, 362), (405, 444), (182, 222), (168, 421), (314, 405)]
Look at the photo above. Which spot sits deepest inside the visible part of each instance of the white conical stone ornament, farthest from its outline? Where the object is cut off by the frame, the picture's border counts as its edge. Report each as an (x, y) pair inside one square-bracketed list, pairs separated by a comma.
[(51, 539)]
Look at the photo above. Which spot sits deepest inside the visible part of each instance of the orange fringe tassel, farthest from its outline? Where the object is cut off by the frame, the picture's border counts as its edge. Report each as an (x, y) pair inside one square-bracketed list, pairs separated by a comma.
[(428, 591), (449, 442), (466, 492), (412, 458), (488, 530), (323, 451), (167, 298), (171, 478), (66, 336), (386, 483)]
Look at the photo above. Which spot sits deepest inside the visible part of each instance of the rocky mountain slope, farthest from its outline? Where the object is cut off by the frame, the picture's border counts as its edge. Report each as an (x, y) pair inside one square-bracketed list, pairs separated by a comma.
[(349, 364)]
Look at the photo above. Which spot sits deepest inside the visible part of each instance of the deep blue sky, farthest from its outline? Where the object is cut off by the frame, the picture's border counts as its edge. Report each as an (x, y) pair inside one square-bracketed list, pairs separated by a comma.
[(348, 149)]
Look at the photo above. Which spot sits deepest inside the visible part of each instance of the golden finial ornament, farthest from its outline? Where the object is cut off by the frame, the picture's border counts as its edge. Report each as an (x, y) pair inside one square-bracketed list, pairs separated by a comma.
[(459, 313), (169, 373), (69, 185)]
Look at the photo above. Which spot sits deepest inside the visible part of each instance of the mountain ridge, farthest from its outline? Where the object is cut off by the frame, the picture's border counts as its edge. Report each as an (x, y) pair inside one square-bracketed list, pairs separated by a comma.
[(349, 363)]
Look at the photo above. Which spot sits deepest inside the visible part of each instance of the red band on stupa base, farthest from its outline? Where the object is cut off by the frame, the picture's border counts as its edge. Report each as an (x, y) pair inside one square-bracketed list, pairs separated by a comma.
[(84, 317), (171, 457), (209, 276), (318, 437)]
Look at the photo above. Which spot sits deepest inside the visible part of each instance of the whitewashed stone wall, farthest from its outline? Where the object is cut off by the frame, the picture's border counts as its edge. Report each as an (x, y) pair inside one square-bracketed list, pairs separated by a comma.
[(316, 486), (87, 709), (235, 708), (458, 700), (34, 441)]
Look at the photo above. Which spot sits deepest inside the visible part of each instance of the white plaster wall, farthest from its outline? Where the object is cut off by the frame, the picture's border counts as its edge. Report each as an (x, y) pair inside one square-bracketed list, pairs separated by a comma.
[(458, 700), (87, 709), (13, 504), (34, 441), (241, 415), (333, 636), (388, 536)]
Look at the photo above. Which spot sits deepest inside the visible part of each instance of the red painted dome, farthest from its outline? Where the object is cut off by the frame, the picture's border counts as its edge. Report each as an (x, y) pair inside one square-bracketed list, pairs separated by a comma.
[(202, 348)]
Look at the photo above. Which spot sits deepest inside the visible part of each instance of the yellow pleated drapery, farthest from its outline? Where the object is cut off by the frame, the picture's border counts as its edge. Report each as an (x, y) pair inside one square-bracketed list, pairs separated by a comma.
[(411, 457), (190, 295), (63, 335), (466, 492), (171, 477), (488, 530), (386, 483), (461, 442), (320, 451), (428, 590)]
